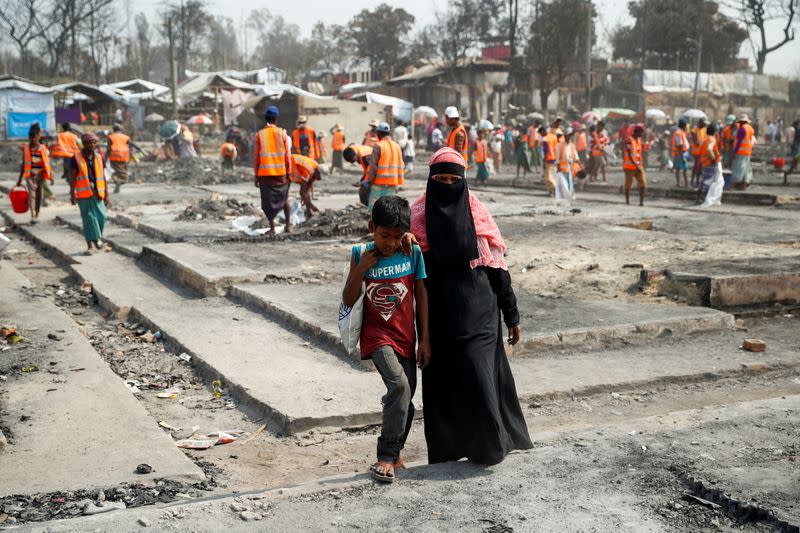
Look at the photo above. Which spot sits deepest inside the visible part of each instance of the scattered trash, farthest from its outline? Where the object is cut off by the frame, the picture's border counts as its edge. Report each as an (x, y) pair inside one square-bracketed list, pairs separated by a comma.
[(86, 287), (216, 387), (219, 210), (195, 444), (92, 509), (30, 368), (169, 394), (157, 335), (223, 437), (754, 345), (133, 386), (144, 468), (185, 357), (165, 425), (210, 440), (696, 499)]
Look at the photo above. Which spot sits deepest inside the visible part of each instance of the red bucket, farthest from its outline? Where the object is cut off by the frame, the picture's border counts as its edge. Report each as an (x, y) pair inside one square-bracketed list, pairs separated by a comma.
[(778, 163), (19, 199)]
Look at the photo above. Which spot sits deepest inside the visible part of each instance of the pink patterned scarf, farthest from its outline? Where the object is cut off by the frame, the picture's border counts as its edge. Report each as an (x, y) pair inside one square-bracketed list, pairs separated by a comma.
[(491, 246)]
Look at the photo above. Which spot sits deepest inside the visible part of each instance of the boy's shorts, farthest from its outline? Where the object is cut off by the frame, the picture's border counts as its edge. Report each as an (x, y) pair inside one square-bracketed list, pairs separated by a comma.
[(638, 175), (679, 163)]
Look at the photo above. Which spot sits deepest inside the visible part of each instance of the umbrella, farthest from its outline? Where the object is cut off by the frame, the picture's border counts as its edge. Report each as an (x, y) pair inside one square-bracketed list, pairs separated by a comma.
[(655, 114), (485, 125), (169, 129), (153, 117), (590, 116), (200, 120), (535, 116), (694, 114), (425, 111)]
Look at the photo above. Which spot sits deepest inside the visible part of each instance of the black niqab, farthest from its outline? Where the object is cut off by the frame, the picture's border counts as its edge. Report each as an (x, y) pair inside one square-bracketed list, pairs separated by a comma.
[(449, 224)]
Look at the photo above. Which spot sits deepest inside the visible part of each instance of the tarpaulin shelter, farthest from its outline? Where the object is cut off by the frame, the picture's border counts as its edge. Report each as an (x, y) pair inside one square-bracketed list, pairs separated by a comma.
[(401, 109), (22, 103), (77, 97)]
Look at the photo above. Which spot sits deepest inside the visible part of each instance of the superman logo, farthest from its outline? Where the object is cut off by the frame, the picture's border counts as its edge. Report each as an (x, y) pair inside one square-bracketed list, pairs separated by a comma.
[(386, 297)]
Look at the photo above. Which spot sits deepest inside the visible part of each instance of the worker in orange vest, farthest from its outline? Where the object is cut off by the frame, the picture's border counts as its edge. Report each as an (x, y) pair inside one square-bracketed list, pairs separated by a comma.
[(306, 171), (457, 138), (66, 146), (371, 135), (322, 151), (35, 169), (482, 157), (697, 137), (228, 153), (337, 147), (599, 141), (88, 189), (386, 169), (680, 151), (568, 162), (742, 171), (362, 155), (633, 164), (272, 165), (304, 139), (725, 140), (581, 144), (709, 157), (549, 146), (119, 155), (534, 144)]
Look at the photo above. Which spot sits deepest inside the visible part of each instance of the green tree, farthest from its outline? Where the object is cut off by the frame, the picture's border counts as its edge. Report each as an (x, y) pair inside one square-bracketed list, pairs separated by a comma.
[(665, 32), (379, 36), (280, 45), (557, 42)]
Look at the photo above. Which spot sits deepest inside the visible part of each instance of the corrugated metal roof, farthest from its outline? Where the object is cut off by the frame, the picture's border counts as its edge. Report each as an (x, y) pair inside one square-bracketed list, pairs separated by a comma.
[(15, 82)]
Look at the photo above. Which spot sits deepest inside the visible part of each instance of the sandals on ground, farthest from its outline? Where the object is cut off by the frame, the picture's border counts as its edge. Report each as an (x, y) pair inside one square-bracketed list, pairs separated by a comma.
[(383, 472)]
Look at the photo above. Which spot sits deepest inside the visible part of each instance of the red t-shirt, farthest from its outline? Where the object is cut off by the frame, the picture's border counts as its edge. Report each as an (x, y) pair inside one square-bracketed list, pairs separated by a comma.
[(389, 302)]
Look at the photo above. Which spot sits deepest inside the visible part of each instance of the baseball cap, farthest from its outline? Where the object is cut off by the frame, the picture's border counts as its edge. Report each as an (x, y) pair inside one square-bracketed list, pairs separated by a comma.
[(451, 112)]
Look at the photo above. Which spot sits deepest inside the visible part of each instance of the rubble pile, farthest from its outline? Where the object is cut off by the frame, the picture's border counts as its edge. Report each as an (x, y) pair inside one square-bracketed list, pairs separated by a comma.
[(192, 171), (218, 210), (10, 157), (352, 220), (69, 504)]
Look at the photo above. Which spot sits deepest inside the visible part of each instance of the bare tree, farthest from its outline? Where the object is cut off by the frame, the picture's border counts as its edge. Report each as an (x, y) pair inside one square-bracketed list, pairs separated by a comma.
[(756, 14), (457, 31), (18, 16)]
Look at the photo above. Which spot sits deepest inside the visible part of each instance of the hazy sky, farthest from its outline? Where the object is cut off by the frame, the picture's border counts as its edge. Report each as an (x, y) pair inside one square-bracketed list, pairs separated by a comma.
[(305, 13)]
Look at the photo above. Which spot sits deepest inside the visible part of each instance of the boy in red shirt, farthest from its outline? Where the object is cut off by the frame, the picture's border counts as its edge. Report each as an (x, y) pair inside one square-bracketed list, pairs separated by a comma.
[(393, 283)]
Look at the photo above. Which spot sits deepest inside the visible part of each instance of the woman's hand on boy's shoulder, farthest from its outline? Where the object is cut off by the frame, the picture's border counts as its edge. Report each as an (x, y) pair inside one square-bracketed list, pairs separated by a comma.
[(407, 243)]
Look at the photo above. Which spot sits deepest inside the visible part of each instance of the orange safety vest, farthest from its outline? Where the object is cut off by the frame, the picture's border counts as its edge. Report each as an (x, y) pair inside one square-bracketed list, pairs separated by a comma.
[(552, 143), (302, 168), (27, 161), (228, 151), (362, 151), (451, 140), (532, 138), (390, 164), (120, 149), (564, 155), (337, 142), (698, 136), (370, 138), (271, 152), (679, 150), (481, 151), (633, 154), (705, 159), (580, 141), (599, 142), (746, 146), (728, 137), (83, 187), (66, 145), (313, 149)]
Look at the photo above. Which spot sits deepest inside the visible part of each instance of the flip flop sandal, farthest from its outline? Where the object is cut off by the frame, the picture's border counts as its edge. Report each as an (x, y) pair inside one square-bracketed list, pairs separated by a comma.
[(383, 478)]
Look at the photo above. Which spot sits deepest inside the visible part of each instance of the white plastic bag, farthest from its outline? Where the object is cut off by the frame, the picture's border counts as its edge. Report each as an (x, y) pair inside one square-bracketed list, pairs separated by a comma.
[(490, 167), (563, 190), (714, 194), (350, 318)]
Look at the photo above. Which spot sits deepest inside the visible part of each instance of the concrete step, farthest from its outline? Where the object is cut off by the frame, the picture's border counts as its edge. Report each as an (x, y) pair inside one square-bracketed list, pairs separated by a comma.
[(754, 283), (124, 240), (548, 324), (274, 373), (201, 270), (86, 429)]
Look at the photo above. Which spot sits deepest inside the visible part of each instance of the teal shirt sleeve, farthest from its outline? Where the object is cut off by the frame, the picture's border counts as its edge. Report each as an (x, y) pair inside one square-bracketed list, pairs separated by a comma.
[(419, 263)]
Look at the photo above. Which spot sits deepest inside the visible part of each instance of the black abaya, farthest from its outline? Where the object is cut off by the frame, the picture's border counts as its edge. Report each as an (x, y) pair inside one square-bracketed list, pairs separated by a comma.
[(470, 400)]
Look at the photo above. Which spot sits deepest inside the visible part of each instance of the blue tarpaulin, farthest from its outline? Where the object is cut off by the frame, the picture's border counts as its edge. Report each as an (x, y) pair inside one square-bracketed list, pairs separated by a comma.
[(19, 123)]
